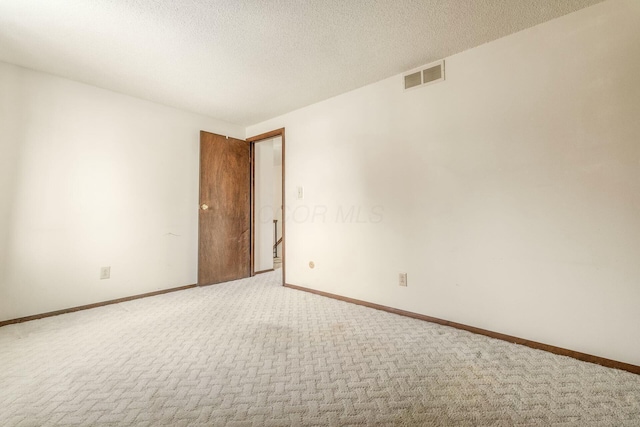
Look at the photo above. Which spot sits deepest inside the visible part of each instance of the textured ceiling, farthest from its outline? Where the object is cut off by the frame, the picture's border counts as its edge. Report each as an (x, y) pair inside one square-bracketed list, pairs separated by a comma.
[(244, 61)]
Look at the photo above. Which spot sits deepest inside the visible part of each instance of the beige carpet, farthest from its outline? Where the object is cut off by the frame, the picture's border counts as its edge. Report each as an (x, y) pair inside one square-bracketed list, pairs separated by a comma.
[(252, 353)]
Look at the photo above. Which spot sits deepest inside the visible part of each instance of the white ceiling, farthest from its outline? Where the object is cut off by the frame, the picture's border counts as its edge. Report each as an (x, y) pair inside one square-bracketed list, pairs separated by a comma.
[(244, 61)]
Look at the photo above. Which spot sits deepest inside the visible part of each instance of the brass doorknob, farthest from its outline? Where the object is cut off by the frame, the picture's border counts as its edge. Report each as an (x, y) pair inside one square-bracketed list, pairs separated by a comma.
[(204, 207)]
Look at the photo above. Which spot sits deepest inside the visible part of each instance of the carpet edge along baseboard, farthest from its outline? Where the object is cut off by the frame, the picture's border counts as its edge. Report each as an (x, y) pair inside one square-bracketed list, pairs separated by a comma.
[(93, 305), (609, 363)]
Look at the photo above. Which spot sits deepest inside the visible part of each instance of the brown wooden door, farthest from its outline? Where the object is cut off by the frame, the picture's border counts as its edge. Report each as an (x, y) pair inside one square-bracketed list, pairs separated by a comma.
[(225, 215)]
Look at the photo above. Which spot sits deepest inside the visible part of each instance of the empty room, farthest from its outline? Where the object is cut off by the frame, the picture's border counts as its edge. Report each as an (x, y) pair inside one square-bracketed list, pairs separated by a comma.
[(320, 213)]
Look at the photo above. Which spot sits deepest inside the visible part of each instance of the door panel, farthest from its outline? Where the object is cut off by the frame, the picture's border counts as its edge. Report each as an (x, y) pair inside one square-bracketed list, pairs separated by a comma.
[(225, 216)]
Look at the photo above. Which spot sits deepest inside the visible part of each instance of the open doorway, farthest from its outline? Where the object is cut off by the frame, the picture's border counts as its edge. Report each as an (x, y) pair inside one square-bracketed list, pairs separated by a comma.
[(268, 201), (267, 204)]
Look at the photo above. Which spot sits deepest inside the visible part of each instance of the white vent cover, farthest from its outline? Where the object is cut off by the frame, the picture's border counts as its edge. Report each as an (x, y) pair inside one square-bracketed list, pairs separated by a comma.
[(413, 80), (425, 75)]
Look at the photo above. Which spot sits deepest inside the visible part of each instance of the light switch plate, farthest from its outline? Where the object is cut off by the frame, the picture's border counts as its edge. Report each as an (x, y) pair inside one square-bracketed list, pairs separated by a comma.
[(402, 279)]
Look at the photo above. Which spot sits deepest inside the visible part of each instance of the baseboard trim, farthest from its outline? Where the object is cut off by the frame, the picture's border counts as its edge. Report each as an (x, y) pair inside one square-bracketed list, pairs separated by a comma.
[(94, 305), (264, 271), (532, 344)]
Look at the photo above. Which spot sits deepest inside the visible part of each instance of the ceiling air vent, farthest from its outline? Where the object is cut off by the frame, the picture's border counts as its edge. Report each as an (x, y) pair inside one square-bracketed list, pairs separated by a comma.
[(413, 80), (423, 76)]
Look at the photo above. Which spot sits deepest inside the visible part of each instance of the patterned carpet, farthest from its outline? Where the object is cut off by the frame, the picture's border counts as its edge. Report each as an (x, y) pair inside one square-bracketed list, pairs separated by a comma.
[(252, 353)]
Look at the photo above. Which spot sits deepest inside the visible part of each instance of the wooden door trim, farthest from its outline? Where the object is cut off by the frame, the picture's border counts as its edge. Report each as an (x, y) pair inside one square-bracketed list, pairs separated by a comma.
[(253, 140), (252, 207), (267, 135)]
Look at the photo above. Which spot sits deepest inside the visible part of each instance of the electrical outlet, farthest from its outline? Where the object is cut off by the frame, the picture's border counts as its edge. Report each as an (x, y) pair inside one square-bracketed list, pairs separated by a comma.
[(402, 279), (105, 273)]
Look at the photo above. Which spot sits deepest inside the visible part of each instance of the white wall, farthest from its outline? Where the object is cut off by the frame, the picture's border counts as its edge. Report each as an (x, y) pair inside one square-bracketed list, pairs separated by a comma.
[(264, 205), (510, 193), (91, 178)]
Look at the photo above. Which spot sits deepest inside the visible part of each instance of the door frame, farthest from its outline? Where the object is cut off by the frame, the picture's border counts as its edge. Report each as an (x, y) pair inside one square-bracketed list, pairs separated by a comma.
[(254, 140)]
